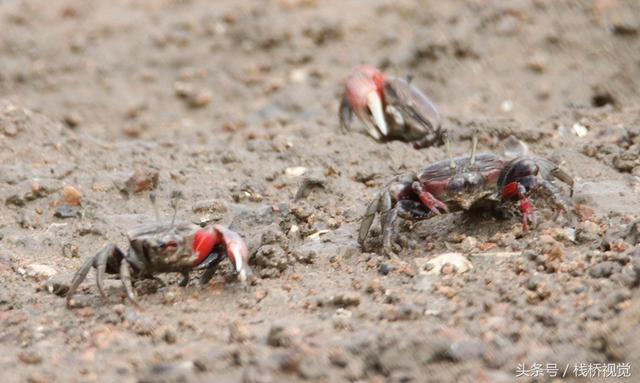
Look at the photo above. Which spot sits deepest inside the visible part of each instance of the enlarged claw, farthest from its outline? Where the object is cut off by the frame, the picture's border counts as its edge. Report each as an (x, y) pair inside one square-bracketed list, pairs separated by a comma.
[(363, 96), (391, 108), (204, 248)]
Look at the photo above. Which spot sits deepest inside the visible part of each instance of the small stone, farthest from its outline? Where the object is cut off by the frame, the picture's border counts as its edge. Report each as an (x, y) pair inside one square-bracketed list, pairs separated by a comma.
[(295, 171), (281, 336), (39, 272), (338, 357), (604, 269), (71, 196), (238, 333), (9, 129), (200, 99), (66, 211), (57, 285), (588, 231), (384, 269), (169, 336), (72, 120), (30, 357), (469, 244), (346, 300), (142, 180), (169, 297), (436, 265), (306, 257), (342, 319)]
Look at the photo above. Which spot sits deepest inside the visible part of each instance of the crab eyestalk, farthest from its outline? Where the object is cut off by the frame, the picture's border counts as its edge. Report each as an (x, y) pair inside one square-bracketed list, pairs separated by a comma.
[(447, 145), (154, 206), (175, 200), (474, 147)]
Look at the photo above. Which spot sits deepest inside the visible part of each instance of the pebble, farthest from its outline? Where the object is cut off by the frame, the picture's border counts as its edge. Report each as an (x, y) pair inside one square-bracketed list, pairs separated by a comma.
[(604, 269), (346, 300), (281, 336), (238, 333), (384, 269), (142, 180), (58, 285), (66, 211), (469, 244), (588, 231), (342, 319), (30, 357), (38, 271), (437, 264), (71, 196)]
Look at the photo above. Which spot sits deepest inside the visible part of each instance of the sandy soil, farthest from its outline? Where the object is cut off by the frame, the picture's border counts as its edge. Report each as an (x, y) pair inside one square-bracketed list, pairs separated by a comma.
[(235, 105)]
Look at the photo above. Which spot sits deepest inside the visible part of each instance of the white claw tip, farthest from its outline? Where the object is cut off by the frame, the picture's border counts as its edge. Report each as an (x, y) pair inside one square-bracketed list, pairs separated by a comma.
[(375, 107), (242, 275)]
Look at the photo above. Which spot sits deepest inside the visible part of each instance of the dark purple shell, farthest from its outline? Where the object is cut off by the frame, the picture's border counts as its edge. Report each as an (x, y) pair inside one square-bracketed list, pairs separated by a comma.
[(436, 176)]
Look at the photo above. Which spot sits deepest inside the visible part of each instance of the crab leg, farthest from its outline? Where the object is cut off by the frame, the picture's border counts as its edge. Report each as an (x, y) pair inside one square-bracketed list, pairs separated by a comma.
[(368, 218), (125, 277), (407, 209), (80, 276), (101, 266), (185, 279), (515, 190), (346, 114), (100, 261)]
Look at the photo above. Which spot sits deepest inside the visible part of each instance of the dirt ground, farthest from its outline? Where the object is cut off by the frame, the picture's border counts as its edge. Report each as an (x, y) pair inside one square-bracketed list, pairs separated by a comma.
[(234, 103)]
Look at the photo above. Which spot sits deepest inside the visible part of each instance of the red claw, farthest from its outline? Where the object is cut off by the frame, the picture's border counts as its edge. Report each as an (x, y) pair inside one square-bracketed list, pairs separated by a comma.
[(203, 244), (510, 190), (432, 203), (528, 213), (365, 94)]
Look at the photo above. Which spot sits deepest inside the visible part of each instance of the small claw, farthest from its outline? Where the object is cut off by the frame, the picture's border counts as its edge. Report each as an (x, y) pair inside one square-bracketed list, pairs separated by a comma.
[(374, 102), (528, 213), (432, 203)]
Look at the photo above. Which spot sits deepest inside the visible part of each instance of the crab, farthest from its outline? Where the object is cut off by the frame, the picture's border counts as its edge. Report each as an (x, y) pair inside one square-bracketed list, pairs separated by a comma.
[(477, 181), (391, 108), (162, 248)]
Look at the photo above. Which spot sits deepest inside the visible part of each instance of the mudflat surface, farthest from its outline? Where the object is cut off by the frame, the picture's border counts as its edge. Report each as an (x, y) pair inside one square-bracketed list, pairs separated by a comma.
[(235, 105)]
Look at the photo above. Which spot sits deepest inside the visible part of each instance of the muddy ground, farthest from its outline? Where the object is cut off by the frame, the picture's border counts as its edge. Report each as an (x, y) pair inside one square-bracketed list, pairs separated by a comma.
[(235, 105)]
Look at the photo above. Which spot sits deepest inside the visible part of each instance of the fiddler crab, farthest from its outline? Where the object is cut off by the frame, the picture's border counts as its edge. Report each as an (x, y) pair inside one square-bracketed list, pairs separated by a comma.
[(163, 248), (463, 184), (391, 108)]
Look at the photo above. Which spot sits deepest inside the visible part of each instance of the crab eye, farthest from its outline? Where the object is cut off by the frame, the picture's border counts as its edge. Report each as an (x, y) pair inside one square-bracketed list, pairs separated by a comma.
[(170, 246), (456, 185)]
